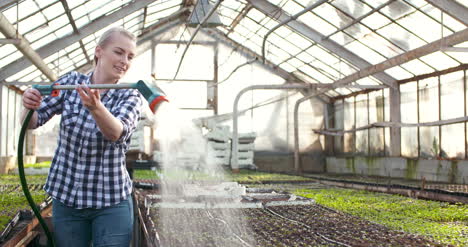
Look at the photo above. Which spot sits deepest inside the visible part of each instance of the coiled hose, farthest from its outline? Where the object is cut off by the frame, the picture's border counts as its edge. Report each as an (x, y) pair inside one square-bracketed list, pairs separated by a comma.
[(24, 184)]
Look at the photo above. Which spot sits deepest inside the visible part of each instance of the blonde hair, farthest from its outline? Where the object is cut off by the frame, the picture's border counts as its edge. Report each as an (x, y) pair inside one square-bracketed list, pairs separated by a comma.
[(106, 36)]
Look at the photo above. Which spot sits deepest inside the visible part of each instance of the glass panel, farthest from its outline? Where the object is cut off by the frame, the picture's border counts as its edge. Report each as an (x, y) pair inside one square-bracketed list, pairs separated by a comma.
[(376, 21), (364, 52), (453, 141), (399, 73), (317, 23), (288, 67), (349, 124), (332, 15), (376, 114), (299, 40), (342, 38), (324, 56), (418, 24), (452, 95), (197, 54), (462, 2), (417, 67), (397, 9), (354, 9), (400, 37), (338, 120), (256, 15), (409, 141), (316, 74), (361, 120), (448, 21), (439, 60), (377, 43), (32, 22), (292, 8), (429, 112), (194, 94), (54, 10), (326, 69)]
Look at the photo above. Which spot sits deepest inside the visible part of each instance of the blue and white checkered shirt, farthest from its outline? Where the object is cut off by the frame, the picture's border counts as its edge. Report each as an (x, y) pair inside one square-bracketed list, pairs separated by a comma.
[(88, 171)]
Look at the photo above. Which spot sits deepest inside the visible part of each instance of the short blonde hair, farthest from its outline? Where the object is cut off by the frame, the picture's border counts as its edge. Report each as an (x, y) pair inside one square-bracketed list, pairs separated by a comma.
[(106, 36)]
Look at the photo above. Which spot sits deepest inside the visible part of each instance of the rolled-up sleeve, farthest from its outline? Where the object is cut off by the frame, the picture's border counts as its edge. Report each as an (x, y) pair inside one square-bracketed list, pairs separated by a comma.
[(129, 110), (50, 105)]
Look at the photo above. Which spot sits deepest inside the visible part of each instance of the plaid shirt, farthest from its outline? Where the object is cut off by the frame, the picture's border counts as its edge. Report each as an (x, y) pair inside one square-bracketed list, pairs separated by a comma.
[(88, 171)]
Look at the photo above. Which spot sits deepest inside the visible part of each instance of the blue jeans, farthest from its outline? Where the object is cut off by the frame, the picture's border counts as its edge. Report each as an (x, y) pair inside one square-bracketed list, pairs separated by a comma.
[(109, 226)]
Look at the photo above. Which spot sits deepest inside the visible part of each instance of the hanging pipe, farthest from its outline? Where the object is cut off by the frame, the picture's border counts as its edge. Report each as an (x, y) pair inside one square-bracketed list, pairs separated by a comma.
[(235, 137), (207, 16), (286, 21)]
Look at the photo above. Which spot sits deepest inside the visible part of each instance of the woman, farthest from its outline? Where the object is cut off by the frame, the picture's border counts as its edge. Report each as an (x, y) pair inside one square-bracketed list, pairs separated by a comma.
[(88, 180)]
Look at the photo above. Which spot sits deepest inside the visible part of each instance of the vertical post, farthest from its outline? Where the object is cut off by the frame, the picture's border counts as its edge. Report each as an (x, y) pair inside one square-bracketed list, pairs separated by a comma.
[(464, 111), (395, 116), (418, 118), (383, 119), (368, 130), (2, 127), (440, 115), (153, 59), (354, 126), (329, 110), (215, 79)]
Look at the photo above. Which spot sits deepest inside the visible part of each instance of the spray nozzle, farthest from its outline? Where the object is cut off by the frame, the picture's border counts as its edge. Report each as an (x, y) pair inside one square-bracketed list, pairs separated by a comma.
[(154, 95)]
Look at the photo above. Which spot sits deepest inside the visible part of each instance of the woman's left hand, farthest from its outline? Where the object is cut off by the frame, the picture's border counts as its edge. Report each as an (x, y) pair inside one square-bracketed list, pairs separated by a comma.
[(90, 98)]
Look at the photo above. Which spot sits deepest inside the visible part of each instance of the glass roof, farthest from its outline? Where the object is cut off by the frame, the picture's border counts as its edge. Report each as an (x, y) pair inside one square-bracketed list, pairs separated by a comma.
[(374, 31)]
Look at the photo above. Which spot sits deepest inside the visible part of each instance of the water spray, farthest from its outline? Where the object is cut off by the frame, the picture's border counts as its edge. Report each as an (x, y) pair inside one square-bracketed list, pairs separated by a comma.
[(152, 94)]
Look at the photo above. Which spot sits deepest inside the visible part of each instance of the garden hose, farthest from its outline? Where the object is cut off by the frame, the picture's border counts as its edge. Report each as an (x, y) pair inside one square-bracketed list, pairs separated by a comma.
[(24, 184)]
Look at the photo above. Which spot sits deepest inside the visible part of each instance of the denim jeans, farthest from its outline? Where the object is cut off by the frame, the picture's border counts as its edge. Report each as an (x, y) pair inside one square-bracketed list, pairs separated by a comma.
[(109, 226)]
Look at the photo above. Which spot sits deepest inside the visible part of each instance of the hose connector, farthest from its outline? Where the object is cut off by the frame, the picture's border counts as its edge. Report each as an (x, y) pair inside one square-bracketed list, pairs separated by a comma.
[(152, 94)]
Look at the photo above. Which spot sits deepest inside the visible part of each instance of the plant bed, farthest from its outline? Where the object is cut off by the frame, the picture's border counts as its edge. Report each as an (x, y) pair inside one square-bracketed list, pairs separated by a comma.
[(444, 222), (293, 225), (12, 199)]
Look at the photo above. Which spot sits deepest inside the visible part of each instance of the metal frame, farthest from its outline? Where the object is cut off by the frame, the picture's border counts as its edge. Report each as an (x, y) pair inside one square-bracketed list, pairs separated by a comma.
[(10, 32), (235, 137), (418, 124), (452, 8), (267, 8), (60, 44)]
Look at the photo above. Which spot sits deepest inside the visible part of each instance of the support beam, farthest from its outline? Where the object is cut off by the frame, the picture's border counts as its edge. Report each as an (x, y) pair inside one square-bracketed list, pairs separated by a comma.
[(86, 30), (280, 15), (10, 41), (294, 17), (146, 40), (268, 65), (6, 3), (75, 28), (10, 32), (251, 54), (239, 18), (454, 39), (452, 8)]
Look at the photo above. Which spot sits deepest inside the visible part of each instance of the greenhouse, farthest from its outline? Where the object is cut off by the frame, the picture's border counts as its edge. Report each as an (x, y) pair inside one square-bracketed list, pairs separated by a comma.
[(233, 123)]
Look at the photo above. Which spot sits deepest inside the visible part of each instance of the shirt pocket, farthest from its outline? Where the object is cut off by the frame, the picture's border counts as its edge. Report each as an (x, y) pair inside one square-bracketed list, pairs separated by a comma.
[(70, 114)]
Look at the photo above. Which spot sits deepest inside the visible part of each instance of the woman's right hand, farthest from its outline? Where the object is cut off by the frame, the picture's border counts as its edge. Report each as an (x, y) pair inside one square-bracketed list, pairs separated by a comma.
[(32, 99)]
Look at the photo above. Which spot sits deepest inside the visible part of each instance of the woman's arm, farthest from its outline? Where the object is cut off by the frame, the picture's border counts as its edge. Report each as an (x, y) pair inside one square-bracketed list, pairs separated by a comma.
[(110, 126)]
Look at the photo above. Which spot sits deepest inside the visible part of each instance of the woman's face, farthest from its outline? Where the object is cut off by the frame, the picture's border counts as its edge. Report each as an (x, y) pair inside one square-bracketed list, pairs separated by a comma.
[(115, 56)]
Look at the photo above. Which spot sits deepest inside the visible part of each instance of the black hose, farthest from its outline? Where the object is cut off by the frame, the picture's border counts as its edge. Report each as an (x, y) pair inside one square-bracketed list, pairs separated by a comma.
[(24, 184)]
